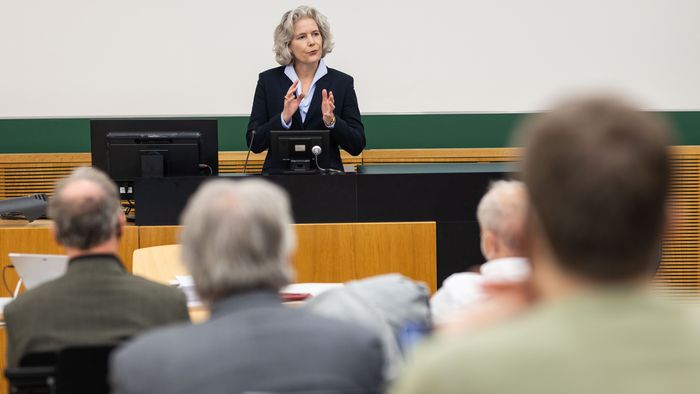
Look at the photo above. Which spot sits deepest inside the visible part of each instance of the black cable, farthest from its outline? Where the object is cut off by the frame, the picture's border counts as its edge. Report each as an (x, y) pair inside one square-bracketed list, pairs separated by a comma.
[(4, 280), (211, 170), (326, 170), (128, 207)]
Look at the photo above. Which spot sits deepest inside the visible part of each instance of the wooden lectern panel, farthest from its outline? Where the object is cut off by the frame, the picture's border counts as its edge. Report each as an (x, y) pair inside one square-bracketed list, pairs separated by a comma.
[(338, 252), (158, 235), (342, 252)]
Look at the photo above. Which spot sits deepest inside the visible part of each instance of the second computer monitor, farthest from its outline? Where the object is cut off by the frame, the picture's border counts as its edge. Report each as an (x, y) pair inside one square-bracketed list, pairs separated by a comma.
[(292, 151), (127, 149)]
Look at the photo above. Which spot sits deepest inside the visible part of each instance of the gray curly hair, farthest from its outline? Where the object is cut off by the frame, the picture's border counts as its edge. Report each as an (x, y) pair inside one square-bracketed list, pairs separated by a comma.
[(237, 236), (284, 32)]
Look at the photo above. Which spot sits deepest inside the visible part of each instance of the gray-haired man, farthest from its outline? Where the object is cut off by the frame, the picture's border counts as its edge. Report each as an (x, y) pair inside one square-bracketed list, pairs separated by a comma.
[(96, 301), (501, 214), (237, 241)]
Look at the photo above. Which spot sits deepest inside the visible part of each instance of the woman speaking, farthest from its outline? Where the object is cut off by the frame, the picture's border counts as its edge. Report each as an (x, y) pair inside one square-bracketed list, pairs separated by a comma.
[(303, 93)]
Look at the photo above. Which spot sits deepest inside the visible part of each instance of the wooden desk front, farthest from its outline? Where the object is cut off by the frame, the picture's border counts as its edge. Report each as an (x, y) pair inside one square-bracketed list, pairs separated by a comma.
[(329, 252)]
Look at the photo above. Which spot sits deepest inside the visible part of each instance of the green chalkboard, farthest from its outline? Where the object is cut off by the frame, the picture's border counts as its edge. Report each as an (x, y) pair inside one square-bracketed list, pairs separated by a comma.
[(383, 132)]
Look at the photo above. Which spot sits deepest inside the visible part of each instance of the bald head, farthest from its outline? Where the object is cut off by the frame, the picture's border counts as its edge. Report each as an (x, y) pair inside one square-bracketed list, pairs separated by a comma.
[(501, 214), (81, 190), (85, 209)]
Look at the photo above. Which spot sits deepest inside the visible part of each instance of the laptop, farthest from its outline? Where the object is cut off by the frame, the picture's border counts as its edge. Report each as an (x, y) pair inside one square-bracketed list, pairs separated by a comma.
[(35, 269)]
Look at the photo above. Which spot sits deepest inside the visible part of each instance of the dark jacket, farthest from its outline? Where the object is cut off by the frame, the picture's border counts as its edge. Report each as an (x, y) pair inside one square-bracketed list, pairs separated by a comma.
[(348, 133), (251, 343)]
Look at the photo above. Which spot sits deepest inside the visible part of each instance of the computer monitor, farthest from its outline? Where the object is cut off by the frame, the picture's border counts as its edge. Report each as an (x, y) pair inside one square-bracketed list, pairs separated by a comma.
[(141, 148), (291, 151)]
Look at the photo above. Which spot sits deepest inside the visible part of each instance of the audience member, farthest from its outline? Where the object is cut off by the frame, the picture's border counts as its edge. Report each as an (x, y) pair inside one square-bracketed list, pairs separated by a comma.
[(96, 301), (237, 241), (501, 215), (387, 304), (597, 173)]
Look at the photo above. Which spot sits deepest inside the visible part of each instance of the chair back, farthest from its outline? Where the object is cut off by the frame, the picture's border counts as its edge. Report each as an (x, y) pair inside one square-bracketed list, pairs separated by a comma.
[(31, 380), (77, 369), (36, 374), (159, 263), (83, 369)]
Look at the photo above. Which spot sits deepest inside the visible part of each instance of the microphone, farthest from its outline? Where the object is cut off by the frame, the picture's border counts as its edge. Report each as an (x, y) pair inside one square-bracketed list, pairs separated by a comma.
[(316, 151), (250, 146)]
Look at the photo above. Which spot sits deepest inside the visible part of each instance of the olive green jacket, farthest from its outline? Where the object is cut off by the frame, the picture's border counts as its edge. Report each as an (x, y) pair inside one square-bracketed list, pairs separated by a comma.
[(95, 302), (610, 341)]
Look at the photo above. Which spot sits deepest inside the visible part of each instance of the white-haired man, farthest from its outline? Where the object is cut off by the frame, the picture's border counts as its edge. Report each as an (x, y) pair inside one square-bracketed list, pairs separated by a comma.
[(237, 241), (96, 301), (501, 215)]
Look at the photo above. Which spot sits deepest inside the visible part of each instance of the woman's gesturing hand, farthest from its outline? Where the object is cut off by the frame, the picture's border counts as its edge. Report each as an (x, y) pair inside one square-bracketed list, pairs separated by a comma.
[(291, 103), (327, 108)]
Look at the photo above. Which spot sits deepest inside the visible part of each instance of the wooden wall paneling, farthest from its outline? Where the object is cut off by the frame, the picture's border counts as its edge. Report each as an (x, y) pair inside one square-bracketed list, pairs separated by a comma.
[(679, 274), (22, 174), (460, 155), (233, 162)]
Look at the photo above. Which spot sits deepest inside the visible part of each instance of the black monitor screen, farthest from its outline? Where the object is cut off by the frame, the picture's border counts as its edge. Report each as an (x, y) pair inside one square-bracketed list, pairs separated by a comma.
[(141, 148), (291, 151)]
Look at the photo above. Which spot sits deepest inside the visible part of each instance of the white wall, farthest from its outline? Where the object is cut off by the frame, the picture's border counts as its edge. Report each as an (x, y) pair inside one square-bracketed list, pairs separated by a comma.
[(82, 58)]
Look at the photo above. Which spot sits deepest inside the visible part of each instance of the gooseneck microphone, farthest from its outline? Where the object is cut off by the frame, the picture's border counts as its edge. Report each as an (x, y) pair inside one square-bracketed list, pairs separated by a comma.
[(316, 151), (250, 146)]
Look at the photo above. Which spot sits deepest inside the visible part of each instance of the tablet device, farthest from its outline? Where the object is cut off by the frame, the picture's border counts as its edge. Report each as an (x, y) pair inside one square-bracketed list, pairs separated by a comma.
[(35, 269)]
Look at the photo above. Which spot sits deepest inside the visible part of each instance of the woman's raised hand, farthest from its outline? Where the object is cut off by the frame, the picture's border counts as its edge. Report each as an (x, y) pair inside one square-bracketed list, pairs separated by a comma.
[(291, 103), (327, 107)]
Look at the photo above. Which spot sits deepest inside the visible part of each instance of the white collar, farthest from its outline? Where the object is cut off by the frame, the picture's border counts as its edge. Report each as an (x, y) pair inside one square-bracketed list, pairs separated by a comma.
[(321, 70), (506, 269)]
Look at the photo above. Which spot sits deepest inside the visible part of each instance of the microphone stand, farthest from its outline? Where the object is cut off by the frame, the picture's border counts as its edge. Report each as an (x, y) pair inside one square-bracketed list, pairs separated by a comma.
[(250, 146)]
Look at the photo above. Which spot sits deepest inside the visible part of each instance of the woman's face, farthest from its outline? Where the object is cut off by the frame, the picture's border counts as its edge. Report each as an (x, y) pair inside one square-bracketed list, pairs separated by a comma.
[(307, 44)]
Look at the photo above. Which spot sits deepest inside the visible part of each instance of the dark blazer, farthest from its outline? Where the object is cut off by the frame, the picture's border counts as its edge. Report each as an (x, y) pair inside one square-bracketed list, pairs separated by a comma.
[(348, 133), (251, 343), (95, 302)]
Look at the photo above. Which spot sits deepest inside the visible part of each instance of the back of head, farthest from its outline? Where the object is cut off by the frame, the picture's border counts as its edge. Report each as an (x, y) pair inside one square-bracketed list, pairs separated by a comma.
[(502, 211), (85, 208), (597, 172), (237, 237)]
